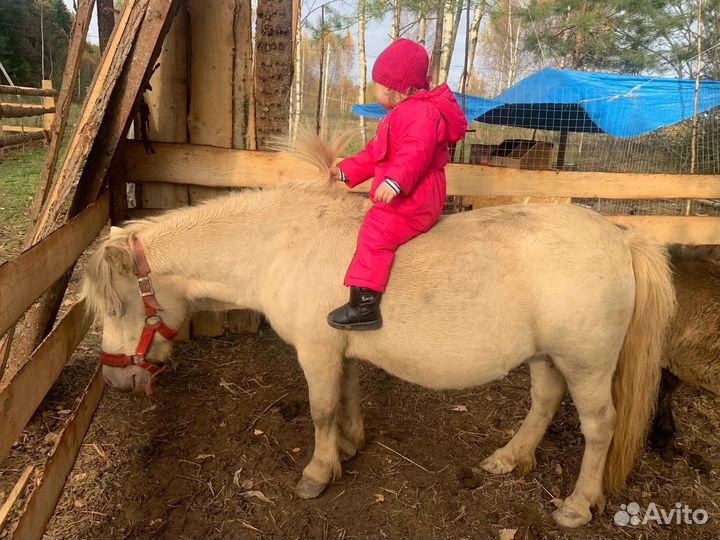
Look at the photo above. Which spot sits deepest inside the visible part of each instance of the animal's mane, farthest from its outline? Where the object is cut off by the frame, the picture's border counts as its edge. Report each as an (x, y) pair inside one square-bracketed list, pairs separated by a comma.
[(304, 196)]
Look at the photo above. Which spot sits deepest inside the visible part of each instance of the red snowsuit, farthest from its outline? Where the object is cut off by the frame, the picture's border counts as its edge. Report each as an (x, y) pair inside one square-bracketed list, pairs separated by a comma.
[(410, 147)]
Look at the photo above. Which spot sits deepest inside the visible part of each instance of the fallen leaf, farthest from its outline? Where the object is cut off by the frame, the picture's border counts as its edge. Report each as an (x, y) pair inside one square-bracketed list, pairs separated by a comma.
[(507, 534), (558, 469), (379, 497), (247, 484), (258, 432), (236, 477), (256, 494), (459, 408), (295, 450), (79, 503), (204, 456)]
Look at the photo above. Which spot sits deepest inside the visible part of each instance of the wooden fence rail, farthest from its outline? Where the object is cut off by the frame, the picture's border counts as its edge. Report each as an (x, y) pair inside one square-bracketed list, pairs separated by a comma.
[(26, 91), (25, 278), (210, 166), (27, 110)]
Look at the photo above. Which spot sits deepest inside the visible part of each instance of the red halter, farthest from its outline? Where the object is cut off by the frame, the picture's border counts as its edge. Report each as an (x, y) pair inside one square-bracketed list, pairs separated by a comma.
[(153, 323)]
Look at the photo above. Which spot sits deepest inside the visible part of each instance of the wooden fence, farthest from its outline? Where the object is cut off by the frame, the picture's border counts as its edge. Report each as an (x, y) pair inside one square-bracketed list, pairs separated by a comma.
[(222, 168), (14, 134)]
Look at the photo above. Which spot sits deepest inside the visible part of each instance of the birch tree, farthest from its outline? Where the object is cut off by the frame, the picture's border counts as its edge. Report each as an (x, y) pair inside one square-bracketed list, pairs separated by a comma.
[(471, 42), (362, 64), (453, 11)]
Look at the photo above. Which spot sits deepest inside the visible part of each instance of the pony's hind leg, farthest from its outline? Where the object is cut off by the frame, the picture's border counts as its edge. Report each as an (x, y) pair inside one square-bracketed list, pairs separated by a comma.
[(352, 431), (592, 395), (323, 372), (547, 391)]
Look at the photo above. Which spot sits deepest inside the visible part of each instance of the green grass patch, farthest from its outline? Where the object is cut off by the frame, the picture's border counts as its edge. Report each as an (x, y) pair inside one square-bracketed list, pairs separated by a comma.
[(19, 177)]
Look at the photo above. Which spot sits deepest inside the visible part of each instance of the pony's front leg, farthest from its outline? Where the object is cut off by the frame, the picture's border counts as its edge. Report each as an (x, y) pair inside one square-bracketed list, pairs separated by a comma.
[(323, 372), (547, 391)]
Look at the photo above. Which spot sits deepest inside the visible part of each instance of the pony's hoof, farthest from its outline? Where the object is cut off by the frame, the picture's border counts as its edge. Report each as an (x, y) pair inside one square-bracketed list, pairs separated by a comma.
[(346, 448), (565, 516), (309, 489), (495, 465)]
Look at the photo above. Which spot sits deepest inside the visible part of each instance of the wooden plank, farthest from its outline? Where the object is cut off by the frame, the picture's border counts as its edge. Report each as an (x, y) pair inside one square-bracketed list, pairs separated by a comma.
[(13, 110), (93, 112), (41, 504), (134, 79), (25, 278), (14, 494), (22, 395), (26, 91), (210, 115), (20, 138), (168, 109), (243, 79), (690, 230), (219, 167)]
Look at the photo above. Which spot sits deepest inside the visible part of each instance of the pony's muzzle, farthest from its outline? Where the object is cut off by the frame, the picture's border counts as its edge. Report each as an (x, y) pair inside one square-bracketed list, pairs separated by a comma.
[(127, 378)]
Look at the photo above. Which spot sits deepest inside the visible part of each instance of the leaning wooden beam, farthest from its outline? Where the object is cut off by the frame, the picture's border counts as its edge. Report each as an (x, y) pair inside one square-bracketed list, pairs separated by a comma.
[(91, 118), (119, 111), (26, 91), (221, 167), (20, 398), (25, 278), (78, 35), (690, 230), (14, 494), (10, 110), (20, 138), (41, 504)]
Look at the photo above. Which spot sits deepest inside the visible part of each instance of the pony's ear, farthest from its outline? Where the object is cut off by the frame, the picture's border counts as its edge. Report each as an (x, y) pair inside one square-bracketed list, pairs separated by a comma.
[(118, 258)]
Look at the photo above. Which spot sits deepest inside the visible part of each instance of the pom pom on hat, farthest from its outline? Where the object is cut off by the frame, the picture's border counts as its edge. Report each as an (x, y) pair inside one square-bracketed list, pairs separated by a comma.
[(402, 65)]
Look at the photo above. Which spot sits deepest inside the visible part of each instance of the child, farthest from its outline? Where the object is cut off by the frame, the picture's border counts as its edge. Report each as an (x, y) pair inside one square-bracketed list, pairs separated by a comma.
[(406, 160)]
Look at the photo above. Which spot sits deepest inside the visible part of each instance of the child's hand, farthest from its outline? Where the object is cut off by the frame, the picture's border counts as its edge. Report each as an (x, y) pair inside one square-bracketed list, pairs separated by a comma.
[(384, 193), (335, 174)]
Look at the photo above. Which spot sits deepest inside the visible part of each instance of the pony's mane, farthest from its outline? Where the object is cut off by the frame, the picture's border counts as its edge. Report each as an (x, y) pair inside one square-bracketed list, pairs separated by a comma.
[(308, 195)]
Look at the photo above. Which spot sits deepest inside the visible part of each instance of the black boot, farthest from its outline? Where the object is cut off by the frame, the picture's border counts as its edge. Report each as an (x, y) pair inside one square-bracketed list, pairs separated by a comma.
[(361, 313)]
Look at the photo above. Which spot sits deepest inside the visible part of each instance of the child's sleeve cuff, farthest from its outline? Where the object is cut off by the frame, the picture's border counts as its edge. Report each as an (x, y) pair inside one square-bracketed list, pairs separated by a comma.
[(392, 184), (343, 177)]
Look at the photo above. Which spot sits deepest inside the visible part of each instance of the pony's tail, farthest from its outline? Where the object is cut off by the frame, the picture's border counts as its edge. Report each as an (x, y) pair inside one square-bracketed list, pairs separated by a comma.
[(637, 377), (321, 150)]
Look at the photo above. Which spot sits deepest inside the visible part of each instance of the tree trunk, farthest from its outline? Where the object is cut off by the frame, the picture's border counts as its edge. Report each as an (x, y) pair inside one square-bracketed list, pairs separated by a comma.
[(274, 68), (106, 22), (395, 28), (325, 89), (421, 29), (472, 40), (362, 63), (451, 23), (437, 47)]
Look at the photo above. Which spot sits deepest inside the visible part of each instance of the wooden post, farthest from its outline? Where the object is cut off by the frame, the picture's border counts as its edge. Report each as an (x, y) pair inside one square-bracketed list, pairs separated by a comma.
[(49, 103), (167, 102), (210, 119)]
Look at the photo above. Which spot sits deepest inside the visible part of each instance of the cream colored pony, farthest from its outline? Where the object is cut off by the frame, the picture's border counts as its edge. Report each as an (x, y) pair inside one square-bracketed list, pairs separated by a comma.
[(581, 301)]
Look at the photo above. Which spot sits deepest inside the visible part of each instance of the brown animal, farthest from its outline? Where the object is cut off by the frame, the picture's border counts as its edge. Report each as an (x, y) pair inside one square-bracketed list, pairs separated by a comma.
[(691, 354)]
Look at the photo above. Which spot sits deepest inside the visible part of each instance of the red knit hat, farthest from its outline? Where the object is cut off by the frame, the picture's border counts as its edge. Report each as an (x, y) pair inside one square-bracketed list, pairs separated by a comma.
[(403, 65)]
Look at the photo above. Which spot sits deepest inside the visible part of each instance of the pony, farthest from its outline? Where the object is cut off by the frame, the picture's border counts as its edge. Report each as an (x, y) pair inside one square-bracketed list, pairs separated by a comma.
[(691, 353), (584, 303)]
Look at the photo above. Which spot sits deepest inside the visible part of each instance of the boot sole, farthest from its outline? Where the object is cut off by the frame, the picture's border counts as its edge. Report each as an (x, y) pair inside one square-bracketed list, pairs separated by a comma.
[(372, 325)]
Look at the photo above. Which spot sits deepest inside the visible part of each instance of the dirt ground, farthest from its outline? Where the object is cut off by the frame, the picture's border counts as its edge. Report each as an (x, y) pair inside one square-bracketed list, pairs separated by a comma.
[(217, 450)]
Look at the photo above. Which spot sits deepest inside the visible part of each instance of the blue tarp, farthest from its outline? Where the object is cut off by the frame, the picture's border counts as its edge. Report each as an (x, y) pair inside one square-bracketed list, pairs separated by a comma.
[(474, 107), (620, 105)]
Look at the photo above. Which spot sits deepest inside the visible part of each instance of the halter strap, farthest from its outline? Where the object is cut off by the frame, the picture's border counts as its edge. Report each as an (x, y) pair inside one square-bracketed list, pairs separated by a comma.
[(153, 322)]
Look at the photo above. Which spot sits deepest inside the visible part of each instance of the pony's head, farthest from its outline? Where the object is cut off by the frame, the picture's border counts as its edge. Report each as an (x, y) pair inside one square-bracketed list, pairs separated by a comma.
[(138, 314)]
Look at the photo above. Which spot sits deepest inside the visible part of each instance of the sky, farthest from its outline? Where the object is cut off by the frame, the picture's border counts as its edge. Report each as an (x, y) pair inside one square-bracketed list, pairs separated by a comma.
[(377, 36)]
